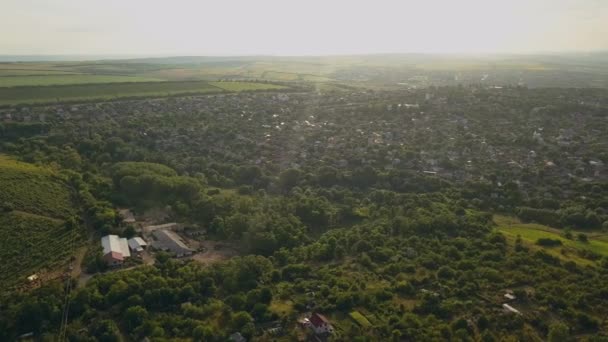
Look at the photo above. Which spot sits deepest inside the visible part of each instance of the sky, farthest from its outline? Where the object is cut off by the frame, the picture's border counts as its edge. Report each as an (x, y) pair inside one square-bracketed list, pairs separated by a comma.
[(300, 27)]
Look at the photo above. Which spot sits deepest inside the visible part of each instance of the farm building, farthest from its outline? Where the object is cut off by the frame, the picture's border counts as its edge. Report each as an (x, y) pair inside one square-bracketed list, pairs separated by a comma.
[(115, 249), (127, 216), (168, 240), (137, 244), (320, 324)]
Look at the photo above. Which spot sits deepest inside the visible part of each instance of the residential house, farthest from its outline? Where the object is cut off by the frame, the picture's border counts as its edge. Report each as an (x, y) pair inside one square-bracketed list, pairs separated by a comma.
[(320, 324)]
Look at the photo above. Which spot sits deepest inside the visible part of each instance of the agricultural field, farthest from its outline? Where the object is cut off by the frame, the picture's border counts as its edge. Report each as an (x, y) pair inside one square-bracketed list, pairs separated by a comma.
[(35, 204), (32, 244), (245, 86), (569, 250), (33, 189), (65, 79), (360, 319), (113, 91), (33, 72)]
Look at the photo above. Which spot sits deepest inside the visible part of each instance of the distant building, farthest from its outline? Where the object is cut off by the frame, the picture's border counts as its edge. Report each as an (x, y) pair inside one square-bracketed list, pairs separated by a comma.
[(168, 240), (320, 324), (237, 337), (137, 244), (115, 249), (127, 216)]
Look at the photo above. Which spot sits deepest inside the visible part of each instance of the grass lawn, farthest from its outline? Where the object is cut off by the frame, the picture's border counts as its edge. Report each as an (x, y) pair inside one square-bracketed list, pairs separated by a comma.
[(281, 307)]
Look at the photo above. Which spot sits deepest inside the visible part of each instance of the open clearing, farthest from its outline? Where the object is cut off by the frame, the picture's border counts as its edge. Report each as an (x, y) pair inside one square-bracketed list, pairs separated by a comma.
[(531, 232)]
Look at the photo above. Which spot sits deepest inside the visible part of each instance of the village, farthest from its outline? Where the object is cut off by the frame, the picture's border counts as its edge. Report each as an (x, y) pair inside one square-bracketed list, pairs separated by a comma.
[(419, 130)]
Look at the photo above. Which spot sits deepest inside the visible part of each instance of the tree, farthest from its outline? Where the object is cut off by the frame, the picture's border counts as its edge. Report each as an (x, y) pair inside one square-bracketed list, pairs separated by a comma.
[(240, 319), (289, 178), (135, 316), (107, 331), (558, 332), (582, 237), (203, 333)]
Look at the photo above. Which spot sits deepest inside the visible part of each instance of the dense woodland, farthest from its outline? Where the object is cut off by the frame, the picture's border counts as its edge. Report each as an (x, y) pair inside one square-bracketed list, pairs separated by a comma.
[(376, 202)]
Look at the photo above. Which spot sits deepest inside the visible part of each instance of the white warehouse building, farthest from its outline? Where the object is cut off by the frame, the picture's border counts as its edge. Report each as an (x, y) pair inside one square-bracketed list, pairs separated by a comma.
[(115, 249)]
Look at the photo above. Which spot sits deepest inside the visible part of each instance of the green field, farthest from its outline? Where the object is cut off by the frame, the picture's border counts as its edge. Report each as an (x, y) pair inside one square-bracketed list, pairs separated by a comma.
[(531, 232), (245, 86), (33, 235), (360, 319), (30, 243), (33, 189), (112, 91), (33, 72), (45, 80)]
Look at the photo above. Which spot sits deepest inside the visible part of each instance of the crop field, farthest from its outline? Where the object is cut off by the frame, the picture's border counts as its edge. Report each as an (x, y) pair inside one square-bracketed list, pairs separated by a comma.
[(33, 72), (30, 243), (245, 86), (360, 319), (531, 232), (33, 234), (33, 189), (112, 91), (67, 78)]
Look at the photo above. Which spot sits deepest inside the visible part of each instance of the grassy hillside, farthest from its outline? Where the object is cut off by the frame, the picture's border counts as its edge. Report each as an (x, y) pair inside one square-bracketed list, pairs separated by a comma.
[(33, 236)]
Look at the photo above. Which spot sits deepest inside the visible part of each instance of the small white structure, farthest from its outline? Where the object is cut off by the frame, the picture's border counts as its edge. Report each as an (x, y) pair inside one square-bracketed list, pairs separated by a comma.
[(115, 249), (509, 296), (137, 244), (509, 308)]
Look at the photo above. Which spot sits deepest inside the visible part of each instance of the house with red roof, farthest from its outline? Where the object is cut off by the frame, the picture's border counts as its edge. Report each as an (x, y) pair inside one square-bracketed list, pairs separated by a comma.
[(320, 324), (115, 250)]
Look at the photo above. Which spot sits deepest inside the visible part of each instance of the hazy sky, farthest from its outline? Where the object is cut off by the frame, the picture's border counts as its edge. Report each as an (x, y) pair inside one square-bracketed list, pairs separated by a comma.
[(289, 27)]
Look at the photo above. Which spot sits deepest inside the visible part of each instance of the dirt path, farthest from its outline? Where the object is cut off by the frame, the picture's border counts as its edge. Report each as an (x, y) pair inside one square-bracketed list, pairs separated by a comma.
[(214, 252)]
